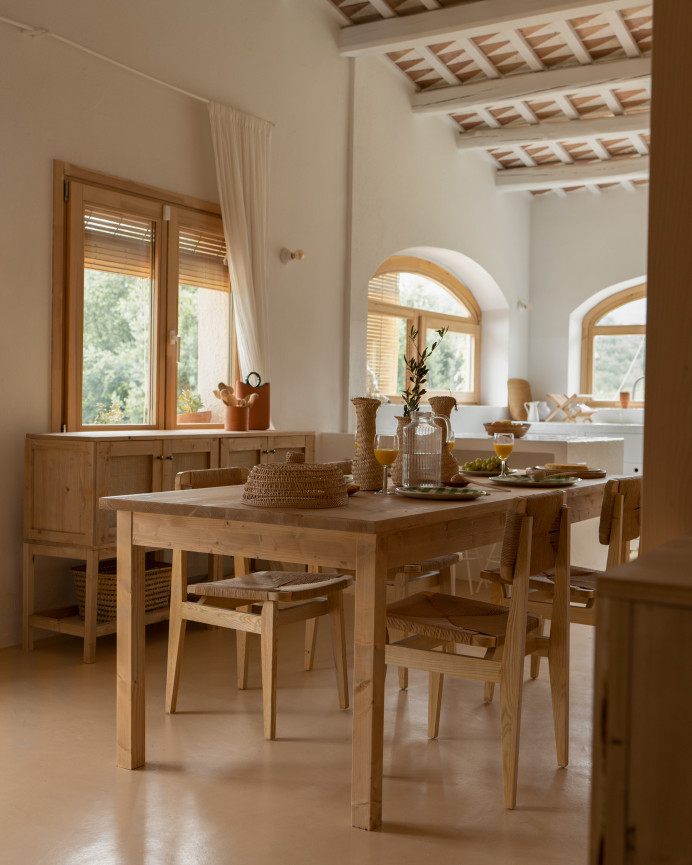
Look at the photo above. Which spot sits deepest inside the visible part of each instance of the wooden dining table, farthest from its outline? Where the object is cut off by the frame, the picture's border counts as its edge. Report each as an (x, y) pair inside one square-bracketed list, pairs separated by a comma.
[(370, 535)]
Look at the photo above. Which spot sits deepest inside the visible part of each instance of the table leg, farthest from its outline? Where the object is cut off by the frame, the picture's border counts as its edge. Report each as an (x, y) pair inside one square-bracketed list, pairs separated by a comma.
[(368, 685), (130, 653), (28, 578), (90, 601)]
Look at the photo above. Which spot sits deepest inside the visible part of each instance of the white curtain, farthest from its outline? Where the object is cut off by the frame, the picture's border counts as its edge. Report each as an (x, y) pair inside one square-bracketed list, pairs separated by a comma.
[(241, 151)]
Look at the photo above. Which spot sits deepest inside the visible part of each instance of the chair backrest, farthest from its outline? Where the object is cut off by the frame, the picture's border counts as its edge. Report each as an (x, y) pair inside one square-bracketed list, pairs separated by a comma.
[(199, 478), (631, 491), (546, 510)]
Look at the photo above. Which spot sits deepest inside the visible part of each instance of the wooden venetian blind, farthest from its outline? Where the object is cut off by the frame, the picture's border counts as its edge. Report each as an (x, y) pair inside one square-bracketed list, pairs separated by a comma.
[(383, 333), (202, 260), (118, 243)]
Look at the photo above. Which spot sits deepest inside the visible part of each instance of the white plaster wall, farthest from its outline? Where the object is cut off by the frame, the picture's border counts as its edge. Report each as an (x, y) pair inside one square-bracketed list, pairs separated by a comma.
[(269, 57), (580, 245), (413, 188)]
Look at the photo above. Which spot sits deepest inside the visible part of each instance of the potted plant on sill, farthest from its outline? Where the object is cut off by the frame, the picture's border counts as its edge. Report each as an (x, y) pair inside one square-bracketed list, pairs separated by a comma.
[(190, 407)]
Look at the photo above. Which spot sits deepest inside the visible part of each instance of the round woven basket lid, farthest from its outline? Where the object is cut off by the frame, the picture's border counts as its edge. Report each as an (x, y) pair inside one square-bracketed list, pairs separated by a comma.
[(295, 485)]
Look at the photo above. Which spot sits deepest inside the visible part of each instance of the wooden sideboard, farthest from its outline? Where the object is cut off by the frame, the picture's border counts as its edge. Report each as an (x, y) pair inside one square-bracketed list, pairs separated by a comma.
[(642, 761), (67, 473)]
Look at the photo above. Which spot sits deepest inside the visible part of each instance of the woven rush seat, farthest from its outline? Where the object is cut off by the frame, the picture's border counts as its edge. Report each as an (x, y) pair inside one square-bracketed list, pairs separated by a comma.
[(453, 619), (582, 582), (272, 586), (435, 572)]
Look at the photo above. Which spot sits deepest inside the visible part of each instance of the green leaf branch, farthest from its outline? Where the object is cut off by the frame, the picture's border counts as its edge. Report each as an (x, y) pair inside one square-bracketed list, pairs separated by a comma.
[(417, 370)]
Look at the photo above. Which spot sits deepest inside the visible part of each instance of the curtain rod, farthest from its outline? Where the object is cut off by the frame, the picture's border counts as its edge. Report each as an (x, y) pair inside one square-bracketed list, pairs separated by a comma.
[(40, 32)]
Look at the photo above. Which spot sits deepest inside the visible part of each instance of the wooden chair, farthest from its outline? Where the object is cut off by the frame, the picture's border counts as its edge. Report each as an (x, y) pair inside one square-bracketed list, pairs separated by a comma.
[(536, 537), (250, 603), (203, 478), (619, 525)]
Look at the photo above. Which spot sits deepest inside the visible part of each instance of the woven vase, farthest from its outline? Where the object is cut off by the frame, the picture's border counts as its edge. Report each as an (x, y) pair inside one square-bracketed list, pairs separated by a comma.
[(442, 406), (397, 470), (367, 472)]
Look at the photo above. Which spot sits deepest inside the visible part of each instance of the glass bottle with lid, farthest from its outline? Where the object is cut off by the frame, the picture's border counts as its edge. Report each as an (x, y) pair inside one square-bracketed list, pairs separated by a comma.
[(422, 451)]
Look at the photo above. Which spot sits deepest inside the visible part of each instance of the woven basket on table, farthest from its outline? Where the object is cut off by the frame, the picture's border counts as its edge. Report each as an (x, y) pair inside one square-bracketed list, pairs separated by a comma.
[(157, 588), (296, 485)]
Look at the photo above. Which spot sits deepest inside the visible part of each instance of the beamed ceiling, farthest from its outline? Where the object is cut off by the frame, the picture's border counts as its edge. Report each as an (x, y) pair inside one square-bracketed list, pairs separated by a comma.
[(557, 93)]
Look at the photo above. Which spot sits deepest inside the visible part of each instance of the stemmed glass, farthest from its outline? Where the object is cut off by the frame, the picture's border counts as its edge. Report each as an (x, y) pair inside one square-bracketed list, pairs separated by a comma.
[(451, 437), (504, 445), (386, 450)]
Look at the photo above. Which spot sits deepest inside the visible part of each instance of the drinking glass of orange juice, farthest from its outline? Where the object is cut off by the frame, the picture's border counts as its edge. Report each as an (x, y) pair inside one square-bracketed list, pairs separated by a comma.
[(386, 450), (504, 445)]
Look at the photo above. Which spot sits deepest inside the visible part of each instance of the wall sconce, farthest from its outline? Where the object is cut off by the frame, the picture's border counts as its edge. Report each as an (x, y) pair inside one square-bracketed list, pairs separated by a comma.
[(522, 307), (287, 255)]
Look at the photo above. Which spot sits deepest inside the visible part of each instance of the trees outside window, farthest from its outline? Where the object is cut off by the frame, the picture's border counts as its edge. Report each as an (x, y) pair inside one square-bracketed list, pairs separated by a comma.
[(614, 348), (408, 292)]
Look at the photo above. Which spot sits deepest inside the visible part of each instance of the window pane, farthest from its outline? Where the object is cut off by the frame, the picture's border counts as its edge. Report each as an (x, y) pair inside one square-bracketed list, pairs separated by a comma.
[(414, 290), (387, 336), (117, 380), (204, 325), (451, 364), (618, 363), (422, 293), (633, 312)]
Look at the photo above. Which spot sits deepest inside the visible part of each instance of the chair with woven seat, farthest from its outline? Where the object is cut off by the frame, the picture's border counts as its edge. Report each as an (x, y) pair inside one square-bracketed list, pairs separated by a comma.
[(253, 603), (536, 537), (619, 525)]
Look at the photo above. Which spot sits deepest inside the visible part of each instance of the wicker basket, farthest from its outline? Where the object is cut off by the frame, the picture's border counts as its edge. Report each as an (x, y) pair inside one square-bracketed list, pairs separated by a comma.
[(157, 588), (296, 485)]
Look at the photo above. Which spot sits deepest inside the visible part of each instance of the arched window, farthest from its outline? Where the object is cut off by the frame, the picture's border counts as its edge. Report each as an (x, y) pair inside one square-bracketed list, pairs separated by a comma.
[(614, 348), (409, 292)]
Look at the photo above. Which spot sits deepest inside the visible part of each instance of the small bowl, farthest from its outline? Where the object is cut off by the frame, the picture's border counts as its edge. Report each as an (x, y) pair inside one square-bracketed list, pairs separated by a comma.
[(507, 426), (351, 489)]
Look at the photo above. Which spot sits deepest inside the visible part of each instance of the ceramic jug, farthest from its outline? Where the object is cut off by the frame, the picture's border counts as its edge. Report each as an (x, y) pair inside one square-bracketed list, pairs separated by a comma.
[(532, 415), (543, 410)]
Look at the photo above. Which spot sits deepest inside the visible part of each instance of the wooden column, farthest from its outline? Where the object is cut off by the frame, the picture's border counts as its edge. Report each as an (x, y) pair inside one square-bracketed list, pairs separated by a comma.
[(667, 502)]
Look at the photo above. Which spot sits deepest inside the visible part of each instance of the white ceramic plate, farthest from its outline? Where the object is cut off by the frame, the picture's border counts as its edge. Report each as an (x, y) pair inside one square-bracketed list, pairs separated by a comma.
[(526, 481), (482, 473), (441, 494)]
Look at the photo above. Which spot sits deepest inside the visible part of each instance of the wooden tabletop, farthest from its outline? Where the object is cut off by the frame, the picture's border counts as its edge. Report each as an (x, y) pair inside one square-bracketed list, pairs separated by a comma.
[(365, 512)]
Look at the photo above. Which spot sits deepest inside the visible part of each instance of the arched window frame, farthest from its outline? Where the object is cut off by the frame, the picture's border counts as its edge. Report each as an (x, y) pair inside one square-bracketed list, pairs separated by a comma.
[(590, 330), (423, 320)]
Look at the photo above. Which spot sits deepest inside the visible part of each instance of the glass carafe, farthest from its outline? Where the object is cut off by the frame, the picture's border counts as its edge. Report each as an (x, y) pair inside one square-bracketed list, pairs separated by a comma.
[(422, 451)]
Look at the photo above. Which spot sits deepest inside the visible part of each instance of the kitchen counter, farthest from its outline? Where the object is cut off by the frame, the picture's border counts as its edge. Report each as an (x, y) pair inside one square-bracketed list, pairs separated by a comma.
[(601, 452)]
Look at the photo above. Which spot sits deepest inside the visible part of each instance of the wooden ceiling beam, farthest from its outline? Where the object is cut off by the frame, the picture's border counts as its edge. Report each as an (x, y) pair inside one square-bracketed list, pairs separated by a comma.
[(468, 20), (577, 174), (466, 98), (570, 130)]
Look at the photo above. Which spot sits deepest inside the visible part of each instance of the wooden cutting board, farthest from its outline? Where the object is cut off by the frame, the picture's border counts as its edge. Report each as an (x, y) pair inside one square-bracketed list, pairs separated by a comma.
[(586, 474), (518, 392)]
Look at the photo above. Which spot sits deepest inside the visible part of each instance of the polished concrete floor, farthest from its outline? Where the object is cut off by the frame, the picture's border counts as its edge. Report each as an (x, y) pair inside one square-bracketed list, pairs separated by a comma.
[(214, 791)]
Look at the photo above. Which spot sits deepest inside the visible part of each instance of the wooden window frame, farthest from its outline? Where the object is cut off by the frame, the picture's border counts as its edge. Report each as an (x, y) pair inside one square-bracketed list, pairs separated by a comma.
[(422, 319), (590, 330), (67, 291)]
